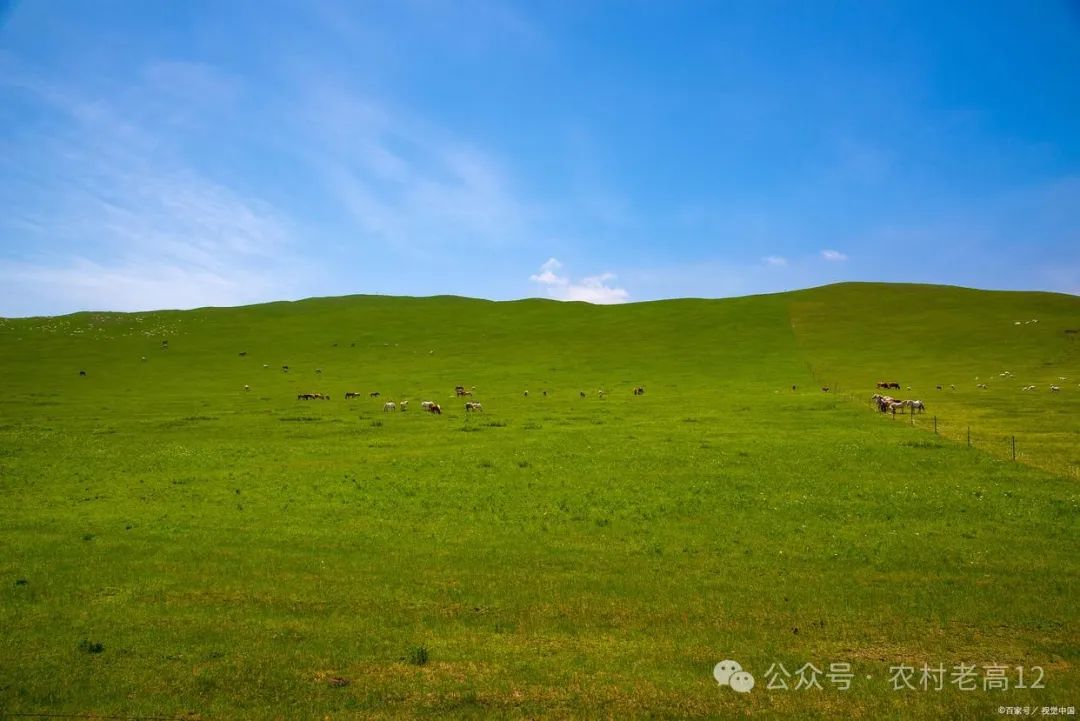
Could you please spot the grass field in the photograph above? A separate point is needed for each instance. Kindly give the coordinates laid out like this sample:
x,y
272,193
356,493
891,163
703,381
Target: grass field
x,y
172,545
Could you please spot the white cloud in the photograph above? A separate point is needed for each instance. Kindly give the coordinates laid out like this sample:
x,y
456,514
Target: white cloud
x,y
774,260
547,275
833,255
406,182
127,225
140,284
551,264
590,289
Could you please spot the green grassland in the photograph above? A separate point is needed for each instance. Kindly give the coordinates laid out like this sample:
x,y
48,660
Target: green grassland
x,y
173,545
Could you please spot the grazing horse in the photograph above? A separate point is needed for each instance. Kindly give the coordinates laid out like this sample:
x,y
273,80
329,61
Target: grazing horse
x,y
825,389
883,384
473,406
882,401
917,406
82,373
639,391
374,394
435,408
351,394
389,406
1055,389
894,384
403,406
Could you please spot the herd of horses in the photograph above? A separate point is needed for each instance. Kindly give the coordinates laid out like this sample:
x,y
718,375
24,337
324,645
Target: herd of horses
x,y
888,404
430,406
885,403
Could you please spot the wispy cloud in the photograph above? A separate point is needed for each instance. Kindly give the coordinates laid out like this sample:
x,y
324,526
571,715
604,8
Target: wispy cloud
x,y
834,256
590,289
127,285
547,274
775,260
408,183
126,225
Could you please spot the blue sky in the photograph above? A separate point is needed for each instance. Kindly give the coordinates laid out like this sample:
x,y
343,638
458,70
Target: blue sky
x,y
220,153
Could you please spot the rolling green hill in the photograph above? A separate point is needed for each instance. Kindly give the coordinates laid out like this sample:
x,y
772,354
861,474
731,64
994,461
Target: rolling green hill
x,y
172,544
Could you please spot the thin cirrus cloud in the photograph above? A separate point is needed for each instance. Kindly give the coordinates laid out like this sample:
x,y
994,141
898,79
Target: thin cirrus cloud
x,y
590,289
775,260
833,256
128,225
406,182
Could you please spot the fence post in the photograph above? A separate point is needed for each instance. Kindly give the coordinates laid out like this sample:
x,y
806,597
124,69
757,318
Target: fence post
x,y
1014,447
935,425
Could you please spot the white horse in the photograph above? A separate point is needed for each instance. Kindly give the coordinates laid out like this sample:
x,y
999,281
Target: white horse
x,y
389,406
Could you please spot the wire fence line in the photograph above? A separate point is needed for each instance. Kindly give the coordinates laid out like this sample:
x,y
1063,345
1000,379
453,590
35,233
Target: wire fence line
x,y
1010,446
